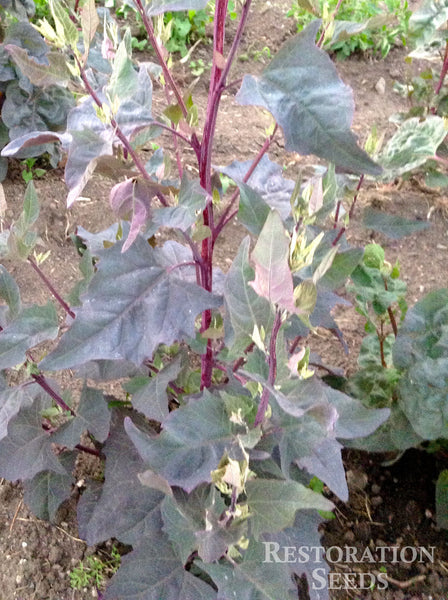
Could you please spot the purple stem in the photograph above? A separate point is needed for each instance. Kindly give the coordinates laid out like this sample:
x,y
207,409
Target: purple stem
x,y
443,72
324,31
272,369
350,212
49,285
123,139
166,72
88,450
40,380
225,217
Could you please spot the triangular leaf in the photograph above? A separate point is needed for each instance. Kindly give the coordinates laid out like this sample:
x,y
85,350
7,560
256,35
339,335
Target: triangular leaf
x,y
325,462
152,571
192,199
117,318
54,72
12,399
253,578
47,490
273,279
302,90
245,309
273,503
193,441
27,449
151,399
121,507
92,415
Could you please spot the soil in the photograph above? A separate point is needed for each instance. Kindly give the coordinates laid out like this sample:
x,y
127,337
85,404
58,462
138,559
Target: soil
x,y
389,505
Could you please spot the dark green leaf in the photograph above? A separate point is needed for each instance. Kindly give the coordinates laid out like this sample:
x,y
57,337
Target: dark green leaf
x,y
302,90
117,319
12,399
341,268
442,499
393,226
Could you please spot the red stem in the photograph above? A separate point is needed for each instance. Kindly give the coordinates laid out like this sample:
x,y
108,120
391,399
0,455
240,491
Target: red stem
x,y
225,217
49,285
40,380
350,212
443,72
324,31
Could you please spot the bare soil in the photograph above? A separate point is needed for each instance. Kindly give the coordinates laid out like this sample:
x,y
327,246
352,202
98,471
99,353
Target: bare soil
x,y
388,505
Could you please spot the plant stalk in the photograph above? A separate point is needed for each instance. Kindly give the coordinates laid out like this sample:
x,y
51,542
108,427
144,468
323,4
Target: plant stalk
x,y
154,43
264,401
50,286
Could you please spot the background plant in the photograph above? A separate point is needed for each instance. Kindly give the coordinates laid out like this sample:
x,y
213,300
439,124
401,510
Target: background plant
x,y
225,424
353,26
26,106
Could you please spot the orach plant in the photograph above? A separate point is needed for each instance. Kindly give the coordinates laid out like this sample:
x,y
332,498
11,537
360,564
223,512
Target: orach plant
x,y
226,423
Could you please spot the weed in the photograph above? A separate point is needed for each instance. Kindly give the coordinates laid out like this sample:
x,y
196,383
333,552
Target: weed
x,y
94,571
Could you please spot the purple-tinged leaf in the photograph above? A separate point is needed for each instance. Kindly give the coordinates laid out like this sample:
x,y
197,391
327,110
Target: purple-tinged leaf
x,y
121,507
34,138
92,415
302,90
97,242
152,571
27,449
304,534
193,441
151,399
135,301
253,578
266,182
12,399
32,326
158,7
85,149
47,490
133,197
273,278
55,72
89,24
191,203
252,209
325,462
186,515
245,309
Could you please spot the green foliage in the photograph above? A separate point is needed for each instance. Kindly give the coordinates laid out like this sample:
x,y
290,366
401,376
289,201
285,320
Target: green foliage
x,y
94,571
185,29
357,26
